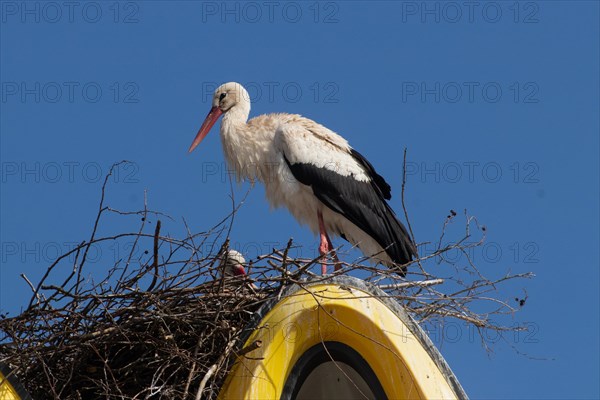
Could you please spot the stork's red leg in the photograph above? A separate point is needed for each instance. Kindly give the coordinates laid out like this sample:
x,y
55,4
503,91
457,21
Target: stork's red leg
x,y
326,246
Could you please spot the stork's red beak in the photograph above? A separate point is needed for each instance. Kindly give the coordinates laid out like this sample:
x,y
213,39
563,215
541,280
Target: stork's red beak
x,y
208,123
239,270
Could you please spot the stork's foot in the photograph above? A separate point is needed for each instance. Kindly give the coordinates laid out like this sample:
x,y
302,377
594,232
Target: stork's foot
x,y
326,249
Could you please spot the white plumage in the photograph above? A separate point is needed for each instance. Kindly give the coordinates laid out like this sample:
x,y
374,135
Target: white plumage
x,y
313,172
232,263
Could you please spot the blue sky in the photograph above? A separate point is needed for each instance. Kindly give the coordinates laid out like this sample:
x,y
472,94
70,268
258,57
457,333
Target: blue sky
x,y
497,103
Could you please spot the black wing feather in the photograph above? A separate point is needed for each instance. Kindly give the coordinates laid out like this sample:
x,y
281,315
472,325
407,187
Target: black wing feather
x,y
377,179
362,203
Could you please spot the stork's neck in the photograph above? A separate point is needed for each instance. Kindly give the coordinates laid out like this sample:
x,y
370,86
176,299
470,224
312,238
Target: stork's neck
x,y
237,115
247,146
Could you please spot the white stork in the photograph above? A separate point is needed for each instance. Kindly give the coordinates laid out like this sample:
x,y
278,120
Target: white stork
x,y
312,171
232,263
232,266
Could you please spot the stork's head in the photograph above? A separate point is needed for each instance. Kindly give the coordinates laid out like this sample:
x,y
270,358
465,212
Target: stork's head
x,y
230,97
232,263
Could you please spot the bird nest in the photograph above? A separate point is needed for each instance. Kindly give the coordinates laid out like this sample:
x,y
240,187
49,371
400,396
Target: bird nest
x,y
166,320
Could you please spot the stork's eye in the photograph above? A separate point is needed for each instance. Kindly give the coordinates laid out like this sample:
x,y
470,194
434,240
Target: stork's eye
x,y
222,96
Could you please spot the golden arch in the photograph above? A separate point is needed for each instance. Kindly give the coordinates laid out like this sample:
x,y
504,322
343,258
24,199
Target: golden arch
x,y
355,314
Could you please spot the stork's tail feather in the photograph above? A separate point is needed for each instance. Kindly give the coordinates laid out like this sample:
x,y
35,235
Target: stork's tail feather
x,y
403,250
